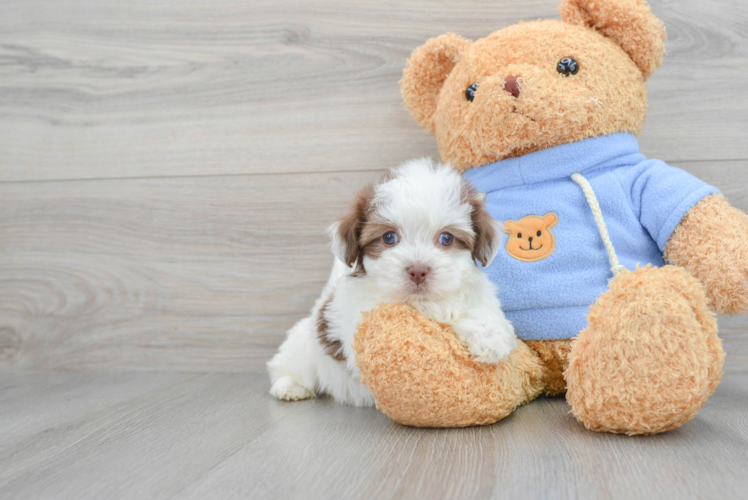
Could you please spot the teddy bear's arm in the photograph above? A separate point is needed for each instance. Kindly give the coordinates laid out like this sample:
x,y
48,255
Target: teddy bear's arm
x,y
422,375
711,242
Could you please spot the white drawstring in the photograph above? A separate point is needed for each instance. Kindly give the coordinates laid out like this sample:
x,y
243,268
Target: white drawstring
x,y
615,266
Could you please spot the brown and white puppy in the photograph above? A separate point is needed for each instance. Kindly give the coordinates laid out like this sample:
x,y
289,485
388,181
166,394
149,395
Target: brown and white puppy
x,y
414,238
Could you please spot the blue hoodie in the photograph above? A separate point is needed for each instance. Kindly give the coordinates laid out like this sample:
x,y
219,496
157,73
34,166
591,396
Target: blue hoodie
x,y
642,202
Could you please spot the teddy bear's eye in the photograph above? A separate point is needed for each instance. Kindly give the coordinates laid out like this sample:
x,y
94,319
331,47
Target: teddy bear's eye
x,y
519,235
567,66
470,92
538,233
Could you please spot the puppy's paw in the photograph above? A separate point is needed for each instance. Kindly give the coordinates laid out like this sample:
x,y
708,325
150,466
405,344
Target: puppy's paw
x,y
492,352
287,389
489,343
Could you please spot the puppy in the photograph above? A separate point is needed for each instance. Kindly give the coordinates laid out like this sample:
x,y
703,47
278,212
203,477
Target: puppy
x,y
415,238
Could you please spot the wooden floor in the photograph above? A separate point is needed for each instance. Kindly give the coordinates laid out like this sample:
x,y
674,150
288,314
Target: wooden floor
x,y
174,435
167,172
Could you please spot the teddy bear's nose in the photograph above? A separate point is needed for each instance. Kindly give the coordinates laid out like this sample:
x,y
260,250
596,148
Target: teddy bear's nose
x,y
510,85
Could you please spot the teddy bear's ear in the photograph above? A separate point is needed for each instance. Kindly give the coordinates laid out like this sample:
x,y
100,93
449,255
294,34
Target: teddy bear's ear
x,y
629,23
425,73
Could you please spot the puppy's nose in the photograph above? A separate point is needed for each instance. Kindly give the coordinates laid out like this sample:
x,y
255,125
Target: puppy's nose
x,y
529,239
510,85
418,273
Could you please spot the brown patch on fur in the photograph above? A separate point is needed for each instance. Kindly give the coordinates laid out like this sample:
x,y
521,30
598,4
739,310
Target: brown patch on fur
x,y
360,270
371,242
554,357
462,239
352,225
711,243
333,348
361,231
374,249
486,235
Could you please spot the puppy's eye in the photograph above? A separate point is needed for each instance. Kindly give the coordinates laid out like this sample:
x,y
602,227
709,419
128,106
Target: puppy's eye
x,y
519,235
446,239
538,233
390,238
567,66
470,92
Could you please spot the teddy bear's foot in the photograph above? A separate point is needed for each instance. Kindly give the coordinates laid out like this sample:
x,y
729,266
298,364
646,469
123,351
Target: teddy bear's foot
x,y
649,357
421,375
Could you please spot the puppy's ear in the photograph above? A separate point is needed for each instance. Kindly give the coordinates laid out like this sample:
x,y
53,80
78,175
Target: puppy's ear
x,y
346,233
425,73
487,239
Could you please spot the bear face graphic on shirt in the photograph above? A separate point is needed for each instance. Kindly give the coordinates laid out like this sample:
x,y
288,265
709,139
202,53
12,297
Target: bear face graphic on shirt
x,y
530,238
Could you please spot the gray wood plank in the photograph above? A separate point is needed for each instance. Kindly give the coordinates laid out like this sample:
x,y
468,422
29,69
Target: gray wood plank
x,y
113,435
92,89
538,452
188,274
141,446
49,407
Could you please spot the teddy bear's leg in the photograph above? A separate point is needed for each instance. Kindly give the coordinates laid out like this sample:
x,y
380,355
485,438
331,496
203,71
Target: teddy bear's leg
x,y
649,357
421,375
554,357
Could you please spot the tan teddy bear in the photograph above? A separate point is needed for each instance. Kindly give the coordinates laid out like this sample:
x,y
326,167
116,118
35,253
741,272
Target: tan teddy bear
x,y
542,117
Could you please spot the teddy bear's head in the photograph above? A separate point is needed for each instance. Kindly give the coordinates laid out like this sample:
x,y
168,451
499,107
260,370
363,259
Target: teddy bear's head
x,y
535,85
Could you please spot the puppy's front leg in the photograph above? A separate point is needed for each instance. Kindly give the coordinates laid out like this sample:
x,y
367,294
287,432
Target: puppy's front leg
x,y
487,334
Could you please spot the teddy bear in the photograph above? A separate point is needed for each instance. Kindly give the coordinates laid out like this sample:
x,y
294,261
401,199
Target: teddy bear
x,y
612,264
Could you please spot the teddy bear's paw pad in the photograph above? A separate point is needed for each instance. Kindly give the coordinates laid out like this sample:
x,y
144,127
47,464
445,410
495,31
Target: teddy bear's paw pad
x,y
649,357
286,388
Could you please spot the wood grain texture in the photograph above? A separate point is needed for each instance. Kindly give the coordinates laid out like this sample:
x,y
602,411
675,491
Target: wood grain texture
x,y
167,172
189,274
92,89
107,435
168,169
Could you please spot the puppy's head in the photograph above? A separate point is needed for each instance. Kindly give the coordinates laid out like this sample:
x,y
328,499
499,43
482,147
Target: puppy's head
x,y
417,233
